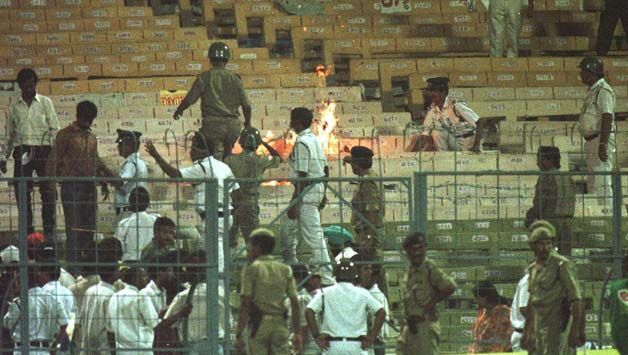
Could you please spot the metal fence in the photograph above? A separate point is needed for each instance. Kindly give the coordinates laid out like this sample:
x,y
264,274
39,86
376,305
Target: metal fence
x,y
474,221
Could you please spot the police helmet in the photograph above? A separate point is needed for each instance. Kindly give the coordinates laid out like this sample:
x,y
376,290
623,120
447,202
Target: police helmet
x,y
346,270
250,138
219,50
541,233
593,65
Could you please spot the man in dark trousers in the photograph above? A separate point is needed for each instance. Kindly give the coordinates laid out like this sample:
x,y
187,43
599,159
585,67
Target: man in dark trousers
x,y
614,10
31,128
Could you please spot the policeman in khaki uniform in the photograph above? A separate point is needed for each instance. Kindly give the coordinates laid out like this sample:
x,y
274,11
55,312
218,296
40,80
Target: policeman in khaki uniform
x,y
249,165
597,126
367,218
265,284
452,125
554,198
426,286
221,94
555,317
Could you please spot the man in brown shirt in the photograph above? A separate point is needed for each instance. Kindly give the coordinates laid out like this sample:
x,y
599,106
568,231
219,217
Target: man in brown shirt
x,y
221,94
75,154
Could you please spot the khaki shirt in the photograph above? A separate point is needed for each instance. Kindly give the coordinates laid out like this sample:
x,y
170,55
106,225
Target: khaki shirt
x,y
554,197
250,165
552,281
600,99
367,198
422,284
269,282
221,93
455,117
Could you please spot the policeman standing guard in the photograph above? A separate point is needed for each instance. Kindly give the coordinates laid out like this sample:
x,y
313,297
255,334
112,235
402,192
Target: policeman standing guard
x,y
597,126
555,317
426,286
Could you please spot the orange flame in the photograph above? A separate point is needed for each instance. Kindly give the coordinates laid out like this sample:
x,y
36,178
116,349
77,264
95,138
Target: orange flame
x,y
325,125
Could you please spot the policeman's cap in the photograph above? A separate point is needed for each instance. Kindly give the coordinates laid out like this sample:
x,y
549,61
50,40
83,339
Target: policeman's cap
x,y
128,136
358,153
543,223
438,83
250,138
592,64
541,233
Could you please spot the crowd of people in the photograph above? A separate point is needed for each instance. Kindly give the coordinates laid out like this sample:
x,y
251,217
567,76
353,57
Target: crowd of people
x,y
137,306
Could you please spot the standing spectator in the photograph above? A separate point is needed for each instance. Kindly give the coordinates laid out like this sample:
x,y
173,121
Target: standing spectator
x,y
452,125
47,318
518,312
308,160
504,23
163,239
265,284
491,329
221,94
618,294
133,167
370,273
75,154
426,286
554,198
555,316
249,165
367,215
188,310
205,167
135,231
614,10
597,126
90,330
311,287
31,127
344,308
131,316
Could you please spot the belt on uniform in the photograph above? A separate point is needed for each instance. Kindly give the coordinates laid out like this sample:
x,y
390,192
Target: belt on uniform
x,y
518,330
466,135
220,214
591,137
36,343
344,339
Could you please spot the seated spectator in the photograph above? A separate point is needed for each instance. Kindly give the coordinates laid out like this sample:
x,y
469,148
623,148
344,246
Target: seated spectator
x,y
341,242
163,239
131,316
48,319
492,329
136,230
90,329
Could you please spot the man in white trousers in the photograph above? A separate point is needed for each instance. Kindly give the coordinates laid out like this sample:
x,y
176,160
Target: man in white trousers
x,y
597,126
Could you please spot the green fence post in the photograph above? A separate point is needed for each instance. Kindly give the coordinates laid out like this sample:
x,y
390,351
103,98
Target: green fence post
x,y
617,206
211,267
420,203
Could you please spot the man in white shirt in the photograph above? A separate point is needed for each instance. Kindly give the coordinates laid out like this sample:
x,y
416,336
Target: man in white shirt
x,y
131,316
133,167
307,160
517,319
48,319
205,167
344,309
31,128
190,311
90,328
597,126
311,287
452,125
136,230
